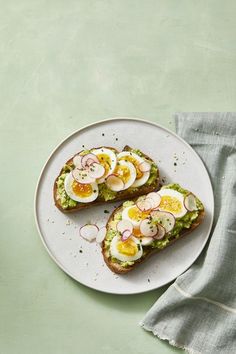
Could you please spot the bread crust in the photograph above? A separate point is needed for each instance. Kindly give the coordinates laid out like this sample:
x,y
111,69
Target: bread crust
x,y
117,268
123,195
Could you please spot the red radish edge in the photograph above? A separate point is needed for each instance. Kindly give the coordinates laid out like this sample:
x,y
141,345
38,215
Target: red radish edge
x,y
86,226
101,234
114,176
127,225
78,163
88,159
93,174
125,235
187,196
144,166
144,205
156,199
81,181
163,232
165,212
145,222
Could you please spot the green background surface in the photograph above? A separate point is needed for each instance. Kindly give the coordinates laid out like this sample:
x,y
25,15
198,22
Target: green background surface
x,y
64,64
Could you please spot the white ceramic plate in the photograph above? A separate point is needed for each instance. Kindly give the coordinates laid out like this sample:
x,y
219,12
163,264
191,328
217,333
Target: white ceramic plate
x,y
83,260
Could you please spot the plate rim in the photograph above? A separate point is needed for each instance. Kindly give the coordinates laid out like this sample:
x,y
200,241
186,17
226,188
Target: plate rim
x,y
157,125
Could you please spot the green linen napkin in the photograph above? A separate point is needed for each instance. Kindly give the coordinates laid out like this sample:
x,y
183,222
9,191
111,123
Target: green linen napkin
x,y
198,311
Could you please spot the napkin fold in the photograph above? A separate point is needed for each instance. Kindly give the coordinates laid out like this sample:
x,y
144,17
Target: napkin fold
x,y
198,311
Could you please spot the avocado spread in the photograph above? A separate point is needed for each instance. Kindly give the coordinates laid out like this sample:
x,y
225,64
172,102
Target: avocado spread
x,y
66,201
184,222
105,193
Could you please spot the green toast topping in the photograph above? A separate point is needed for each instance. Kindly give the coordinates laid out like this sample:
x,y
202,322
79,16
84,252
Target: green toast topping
x,y
181,224
105,193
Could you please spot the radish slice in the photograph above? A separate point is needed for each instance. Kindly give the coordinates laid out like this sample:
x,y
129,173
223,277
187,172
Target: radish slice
x,y
144,166
161,232
96,170
190,202
82,176
147,228
89,232
88,159
166,219
144,204
125,235
115,183
101,234
156,199
124,225
89,162
77,161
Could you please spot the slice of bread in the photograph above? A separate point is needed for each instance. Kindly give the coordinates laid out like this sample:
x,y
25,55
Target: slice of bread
x,y
116,267
122,195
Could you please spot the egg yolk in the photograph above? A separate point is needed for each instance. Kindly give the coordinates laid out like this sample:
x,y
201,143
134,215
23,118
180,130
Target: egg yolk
x,y
131,159
136,214
82,190
128,247
170,204
136,233
105,161
123,172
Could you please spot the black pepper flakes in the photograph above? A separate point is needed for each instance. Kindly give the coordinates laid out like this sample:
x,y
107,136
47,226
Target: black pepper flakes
x,y
175,164
148,280
80,251
106,211
116,139
103,134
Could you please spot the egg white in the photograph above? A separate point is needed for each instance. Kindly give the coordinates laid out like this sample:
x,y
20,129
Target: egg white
x,y
141,181
125,216
122,257
132,171
113,159
175,194
68,188
146,241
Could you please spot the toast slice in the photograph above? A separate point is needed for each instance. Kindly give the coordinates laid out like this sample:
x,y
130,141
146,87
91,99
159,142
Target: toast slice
x,y
120,195
194,217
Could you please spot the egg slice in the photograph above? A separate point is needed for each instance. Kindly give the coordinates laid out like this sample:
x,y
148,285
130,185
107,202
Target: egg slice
x,y
145,241
126,172
173,202
83,193
129,250
134,215
141,177
107,158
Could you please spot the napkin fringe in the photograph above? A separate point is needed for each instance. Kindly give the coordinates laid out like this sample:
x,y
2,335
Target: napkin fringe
x,y
172,342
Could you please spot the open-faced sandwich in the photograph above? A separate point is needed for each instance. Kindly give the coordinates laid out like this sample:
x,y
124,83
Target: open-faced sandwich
x,y
104,174
148,224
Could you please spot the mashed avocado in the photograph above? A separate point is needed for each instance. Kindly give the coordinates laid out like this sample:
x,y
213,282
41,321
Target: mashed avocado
x,y
105,193
66,201
181,223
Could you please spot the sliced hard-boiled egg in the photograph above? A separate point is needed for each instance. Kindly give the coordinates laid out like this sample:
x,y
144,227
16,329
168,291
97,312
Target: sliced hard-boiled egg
x,y
172,201
134,215
80,192
107,158
125,174
138,162
146,241
129,250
